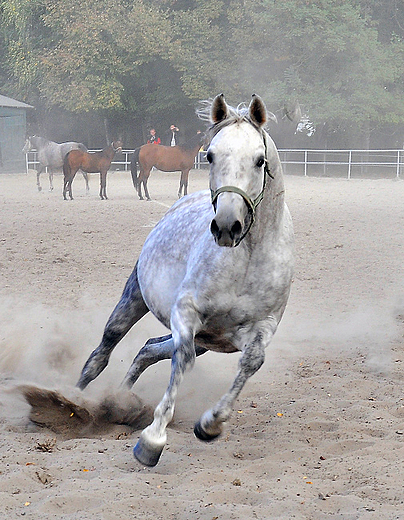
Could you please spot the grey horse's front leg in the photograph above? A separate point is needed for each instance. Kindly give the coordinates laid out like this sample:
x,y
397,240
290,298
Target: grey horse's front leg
x,y
38,182
211,423
130,308
153,438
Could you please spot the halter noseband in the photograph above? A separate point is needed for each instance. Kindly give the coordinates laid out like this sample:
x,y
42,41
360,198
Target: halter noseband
x,y
251,204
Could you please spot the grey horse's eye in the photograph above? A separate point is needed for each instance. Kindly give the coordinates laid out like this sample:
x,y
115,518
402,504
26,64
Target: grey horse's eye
x,y
209,157
260,162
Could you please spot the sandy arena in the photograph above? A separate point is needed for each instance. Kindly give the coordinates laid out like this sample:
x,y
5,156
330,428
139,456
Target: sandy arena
x,y
318,432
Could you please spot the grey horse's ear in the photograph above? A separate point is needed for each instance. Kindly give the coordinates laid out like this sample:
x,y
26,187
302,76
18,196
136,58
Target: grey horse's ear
x,y
257,111
219,110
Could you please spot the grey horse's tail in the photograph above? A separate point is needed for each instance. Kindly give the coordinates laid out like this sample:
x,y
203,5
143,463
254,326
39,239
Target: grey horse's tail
x,y
133,166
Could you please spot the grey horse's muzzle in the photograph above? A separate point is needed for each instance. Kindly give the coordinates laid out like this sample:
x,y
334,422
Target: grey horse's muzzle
x,y
229,232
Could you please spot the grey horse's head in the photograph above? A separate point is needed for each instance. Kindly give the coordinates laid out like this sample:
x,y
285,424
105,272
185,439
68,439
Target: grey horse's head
x,y
238,168
27,145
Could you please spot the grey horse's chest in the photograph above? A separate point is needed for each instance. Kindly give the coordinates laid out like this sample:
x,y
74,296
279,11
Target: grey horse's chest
x,y
229,289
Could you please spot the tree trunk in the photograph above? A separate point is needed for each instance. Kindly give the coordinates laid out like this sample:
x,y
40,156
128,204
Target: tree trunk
x,y
107,136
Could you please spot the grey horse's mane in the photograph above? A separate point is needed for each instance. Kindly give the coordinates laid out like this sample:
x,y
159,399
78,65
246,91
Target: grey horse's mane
x,y
236,115
41,140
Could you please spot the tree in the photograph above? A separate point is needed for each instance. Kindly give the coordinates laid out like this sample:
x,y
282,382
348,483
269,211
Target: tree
x,y
135,63
109,58
325,54
23,33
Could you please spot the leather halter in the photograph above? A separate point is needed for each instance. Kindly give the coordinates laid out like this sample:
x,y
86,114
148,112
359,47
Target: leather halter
x,y
251,204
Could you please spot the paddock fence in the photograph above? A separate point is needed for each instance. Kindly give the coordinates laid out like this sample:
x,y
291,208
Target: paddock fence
x,y
349,164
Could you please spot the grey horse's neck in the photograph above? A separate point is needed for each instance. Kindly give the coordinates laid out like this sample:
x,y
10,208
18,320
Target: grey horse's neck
x,y
39,141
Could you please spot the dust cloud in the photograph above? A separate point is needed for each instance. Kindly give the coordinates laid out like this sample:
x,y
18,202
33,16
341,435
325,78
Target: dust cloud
x,y
44,350
369,330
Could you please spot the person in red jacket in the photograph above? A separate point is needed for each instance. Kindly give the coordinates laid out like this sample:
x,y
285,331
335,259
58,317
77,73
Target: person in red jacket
x,y
153,138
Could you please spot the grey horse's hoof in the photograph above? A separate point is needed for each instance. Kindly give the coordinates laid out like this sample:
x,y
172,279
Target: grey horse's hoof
x,y
147,454
202,435
82,383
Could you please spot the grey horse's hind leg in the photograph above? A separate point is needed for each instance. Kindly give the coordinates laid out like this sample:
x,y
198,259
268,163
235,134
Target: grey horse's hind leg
x,y
130,308
154,350
50,174
38,173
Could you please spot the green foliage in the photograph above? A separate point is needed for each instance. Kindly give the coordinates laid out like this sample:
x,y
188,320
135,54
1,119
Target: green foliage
x,y
23,34
341,59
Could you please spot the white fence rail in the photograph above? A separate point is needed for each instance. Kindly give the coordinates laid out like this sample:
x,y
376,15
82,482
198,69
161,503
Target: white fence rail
x,y
315,163
121,160
344,163
337,163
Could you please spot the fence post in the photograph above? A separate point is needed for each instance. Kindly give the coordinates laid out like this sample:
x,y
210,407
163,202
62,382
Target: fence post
x,y
398,164
349,164
305,163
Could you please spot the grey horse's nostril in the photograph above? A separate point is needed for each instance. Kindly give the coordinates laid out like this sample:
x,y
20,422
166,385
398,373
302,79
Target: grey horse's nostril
x,y
236,229
214,228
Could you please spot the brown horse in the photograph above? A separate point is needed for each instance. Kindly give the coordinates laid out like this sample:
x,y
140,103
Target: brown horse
x,y
95,162
167,159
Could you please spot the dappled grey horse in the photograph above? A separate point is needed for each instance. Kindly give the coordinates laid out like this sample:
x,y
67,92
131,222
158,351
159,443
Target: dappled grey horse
x,y
216,271
51,155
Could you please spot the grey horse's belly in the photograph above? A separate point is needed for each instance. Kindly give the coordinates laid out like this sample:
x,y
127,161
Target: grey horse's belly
x,y
215,342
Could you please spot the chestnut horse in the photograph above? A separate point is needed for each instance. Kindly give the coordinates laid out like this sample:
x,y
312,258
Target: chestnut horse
x,y
89,162
167,159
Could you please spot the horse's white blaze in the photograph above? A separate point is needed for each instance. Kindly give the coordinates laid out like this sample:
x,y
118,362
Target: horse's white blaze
x,y
235,150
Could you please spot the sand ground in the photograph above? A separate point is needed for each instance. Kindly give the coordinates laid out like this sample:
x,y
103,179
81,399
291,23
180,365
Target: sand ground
x,y
318,432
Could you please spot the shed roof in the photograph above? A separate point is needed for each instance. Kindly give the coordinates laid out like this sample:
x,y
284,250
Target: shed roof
x,y
8,102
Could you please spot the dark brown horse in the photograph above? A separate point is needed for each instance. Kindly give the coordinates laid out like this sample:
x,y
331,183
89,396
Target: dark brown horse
x,y
95,162
167,159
